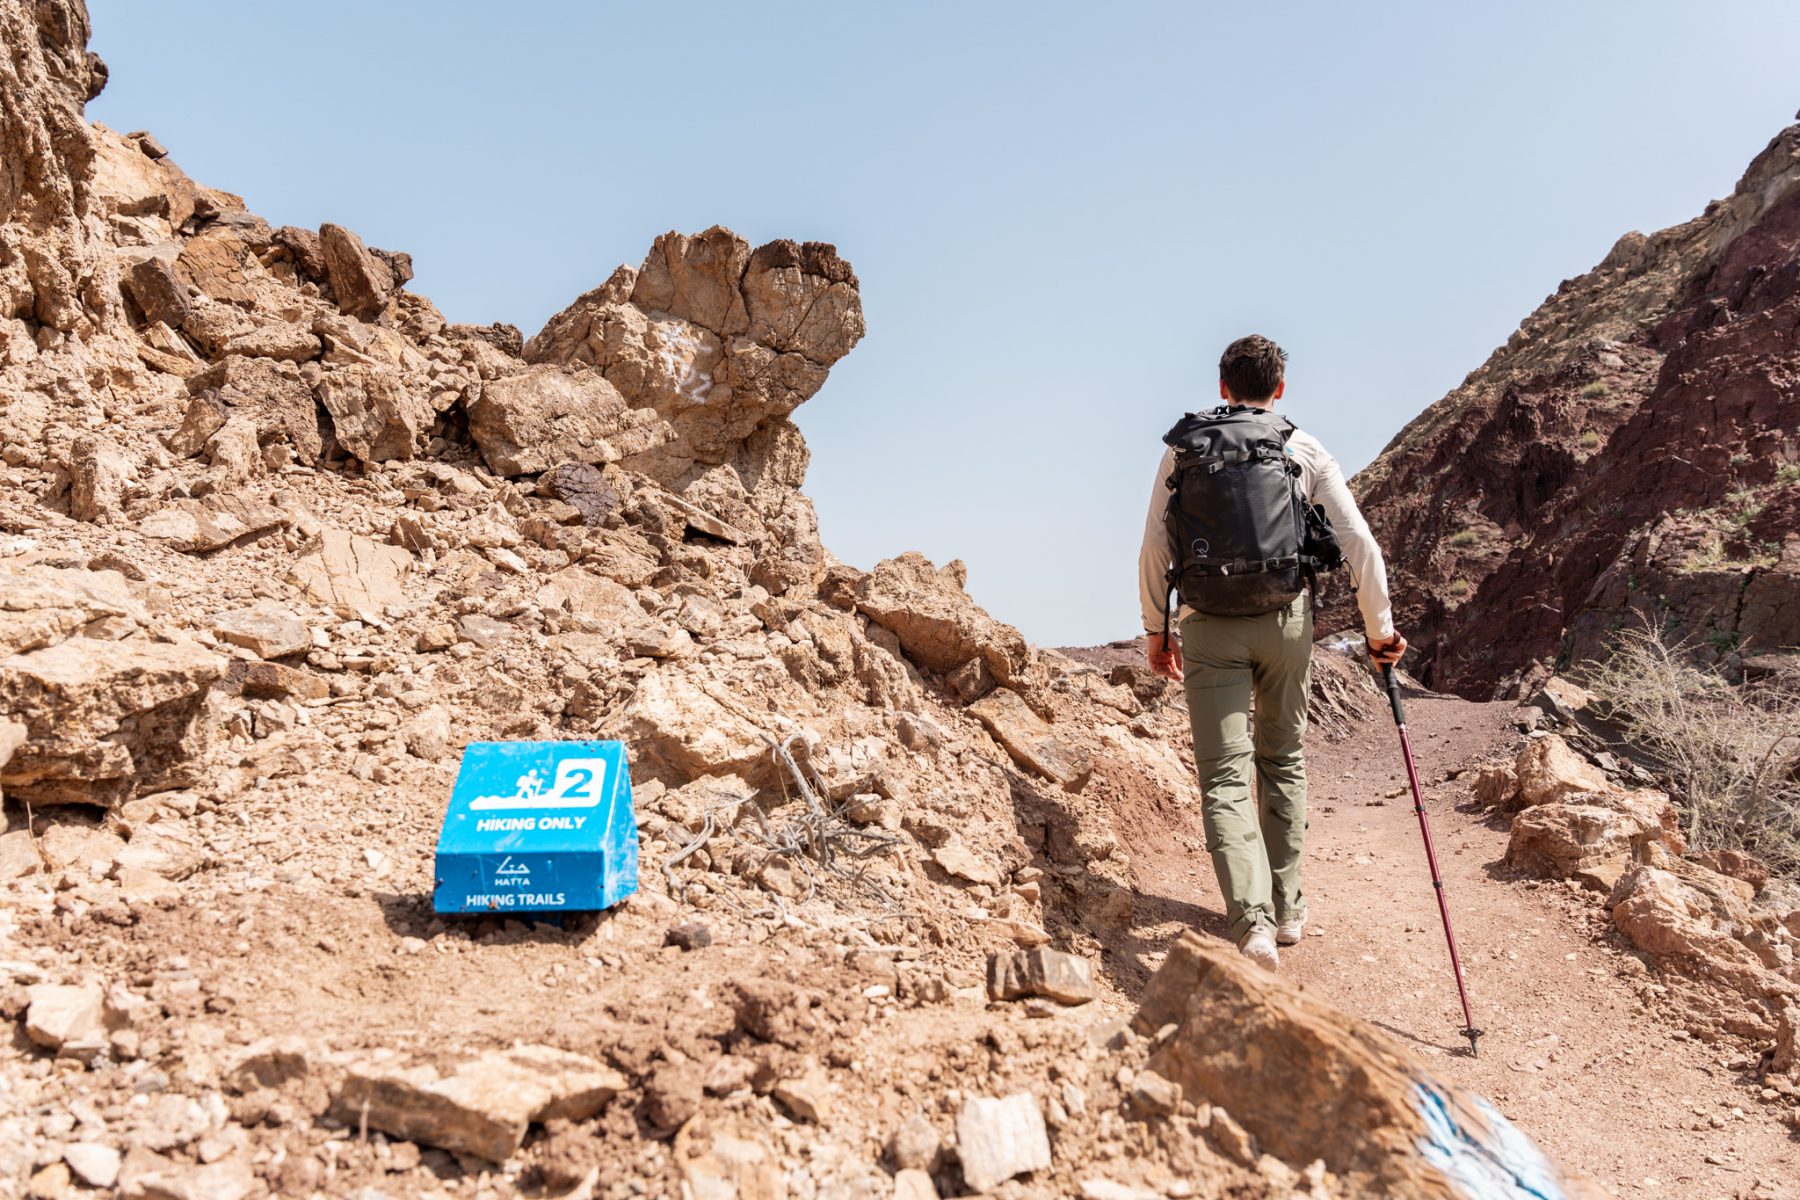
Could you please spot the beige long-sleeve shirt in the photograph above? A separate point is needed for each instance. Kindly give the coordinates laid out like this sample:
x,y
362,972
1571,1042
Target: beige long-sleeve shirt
x,y
1322,483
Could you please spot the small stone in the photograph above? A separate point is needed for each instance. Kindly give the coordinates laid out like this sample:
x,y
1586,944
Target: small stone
x,y
1031,741
94,1164
361,282
958,860
805,1097
915,1144
275,681
1107,1189
672,1095
653,639
353,574
98,473
264,632
732,1073
60,1013
1154,1096
147,1175
971,681
50,1183
689,936
438,635
1232,1138
484,1106
870,808
1040,972
913,1185
483,631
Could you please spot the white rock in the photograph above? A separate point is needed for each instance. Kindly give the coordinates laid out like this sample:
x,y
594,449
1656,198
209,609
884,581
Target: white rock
x,y
1000,1139
264,632
60,1013
94,1164
913,1184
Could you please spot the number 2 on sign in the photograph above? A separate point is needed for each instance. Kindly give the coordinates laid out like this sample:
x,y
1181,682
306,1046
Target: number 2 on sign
x,y
579,783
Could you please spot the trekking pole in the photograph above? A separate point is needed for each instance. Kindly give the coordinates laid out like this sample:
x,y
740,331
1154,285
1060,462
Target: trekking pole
x,y
1437,882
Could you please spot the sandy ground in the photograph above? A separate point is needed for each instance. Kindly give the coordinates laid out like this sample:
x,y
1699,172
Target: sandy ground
x,y
1571,1054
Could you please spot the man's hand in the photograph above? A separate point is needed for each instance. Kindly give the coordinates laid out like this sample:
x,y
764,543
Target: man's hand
x,y
1388,652
1165,655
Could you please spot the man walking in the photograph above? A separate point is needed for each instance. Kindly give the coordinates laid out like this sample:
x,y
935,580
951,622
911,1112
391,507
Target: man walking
x,y
1246,626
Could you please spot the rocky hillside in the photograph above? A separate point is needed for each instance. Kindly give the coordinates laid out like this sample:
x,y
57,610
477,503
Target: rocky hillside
x,y
277,539
1629,455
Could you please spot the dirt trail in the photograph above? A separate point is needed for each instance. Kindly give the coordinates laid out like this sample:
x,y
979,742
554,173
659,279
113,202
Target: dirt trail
x,y
1571,1054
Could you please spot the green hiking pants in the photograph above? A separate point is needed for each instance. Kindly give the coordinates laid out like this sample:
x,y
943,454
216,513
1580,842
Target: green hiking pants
x,y
1255,840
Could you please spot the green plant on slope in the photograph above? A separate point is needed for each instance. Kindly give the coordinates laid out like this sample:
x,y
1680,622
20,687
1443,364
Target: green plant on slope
x,y
1734,750
1594,390
1464,537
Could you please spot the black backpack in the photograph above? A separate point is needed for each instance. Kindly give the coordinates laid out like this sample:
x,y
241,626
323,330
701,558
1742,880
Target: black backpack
x,y
1243,540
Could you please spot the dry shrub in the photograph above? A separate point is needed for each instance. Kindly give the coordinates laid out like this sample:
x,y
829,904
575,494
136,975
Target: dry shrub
x,y
1734,749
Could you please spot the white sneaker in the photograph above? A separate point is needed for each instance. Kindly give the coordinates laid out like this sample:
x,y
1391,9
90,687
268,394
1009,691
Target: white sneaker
x,y
1289,932
1259,948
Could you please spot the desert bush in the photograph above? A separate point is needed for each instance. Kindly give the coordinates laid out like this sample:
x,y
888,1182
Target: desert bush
x,y
1590,439
1733,749
1460,587
1464,537
1594,389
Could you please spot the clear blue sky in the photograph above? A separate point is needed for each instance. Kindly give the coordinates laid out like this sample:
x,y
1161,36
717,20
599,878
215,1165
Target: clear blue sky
x,y
1059,212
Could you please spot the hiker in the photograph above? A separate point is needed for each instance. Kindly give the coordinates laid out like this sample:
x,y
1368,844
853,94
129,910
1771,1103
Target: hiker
x,y
1233,498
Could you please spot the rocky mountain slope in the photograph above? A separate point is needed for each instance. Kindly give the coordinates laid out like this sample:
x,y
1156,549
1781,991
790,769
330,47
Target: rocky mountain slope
x,y
1629,455
277,540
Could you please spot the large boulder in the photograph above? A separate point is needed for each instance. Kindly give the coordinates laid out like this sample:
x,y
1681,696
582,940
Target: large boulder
x,y
1550,772
362,283
375,416
1588,831
677,725
105,719
40,606
716,338
353,574
244,406
938,625
1704,923
1032,742
528,423
1309,1082
483,1106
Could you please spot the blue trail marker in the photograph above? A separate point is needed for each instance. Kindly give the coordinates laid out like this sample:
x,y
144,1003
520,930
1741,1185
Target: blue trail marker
x,y
538,827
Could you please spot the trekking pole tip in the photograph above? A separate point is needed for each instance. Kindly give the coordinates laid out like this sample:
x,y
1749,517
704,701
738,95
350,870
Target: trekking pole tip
x,y
1472,1034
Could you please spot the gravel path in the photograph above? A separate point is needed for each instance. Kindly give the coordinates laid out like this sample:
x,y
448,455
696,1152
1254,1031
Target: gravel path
x,y
1571,1052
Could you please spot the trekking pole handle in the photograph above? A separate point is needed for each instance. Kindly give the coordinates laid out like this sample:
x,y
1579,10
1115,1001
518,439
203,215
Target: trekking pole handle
x,y
1393,691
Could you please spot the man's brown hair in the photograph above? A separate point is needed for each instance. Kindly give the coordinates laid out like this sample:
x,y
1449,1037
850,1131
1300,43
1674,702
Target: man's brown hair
x,y
1252,367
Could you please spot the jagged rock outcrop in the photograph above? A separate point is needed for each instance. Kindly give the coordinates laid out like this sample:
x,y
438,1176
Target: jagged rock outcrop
x,y
107,711
1725,962
711,345
940,627
48,269
1629,454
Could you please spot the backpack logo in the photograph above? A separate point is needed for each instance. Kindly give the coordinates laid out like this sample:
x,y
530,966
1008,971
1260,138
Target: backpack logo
x,y
1202,547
